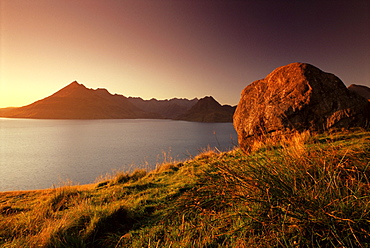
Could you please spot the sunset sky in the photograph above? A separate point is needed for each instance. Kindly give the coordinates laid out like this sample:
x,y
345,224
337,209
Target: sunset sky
x,y
174,48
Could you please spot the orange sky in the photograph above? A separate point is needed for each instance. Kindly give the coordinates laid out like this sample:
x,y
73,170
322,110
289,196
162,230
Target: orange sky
x,y
183,48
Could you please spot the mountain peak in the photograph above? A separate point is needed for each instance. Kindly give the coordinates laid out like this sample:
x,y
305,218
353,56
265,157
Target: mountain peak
x,y
207,109
361,90
74,84
75,101
71,88
208,102
208,99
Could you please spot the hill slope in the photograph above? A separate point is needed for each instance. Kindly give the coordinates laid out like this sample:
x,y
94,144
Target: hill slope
x,y
308,191
208,109
362,90
168,109
75,101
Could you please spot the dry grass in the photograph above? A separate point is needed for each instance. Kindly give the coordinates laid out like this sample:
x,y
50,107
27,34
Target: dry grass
x,y
300,191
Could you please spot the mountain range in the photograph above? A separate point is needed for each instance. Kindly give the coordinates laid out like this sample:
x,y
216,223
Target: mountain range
x,y
75,101
361,90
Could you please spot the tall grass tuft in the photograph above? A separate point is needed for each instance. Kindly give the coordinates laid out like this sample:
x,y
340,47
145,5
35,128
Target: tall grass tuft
x,y
297,196
304,190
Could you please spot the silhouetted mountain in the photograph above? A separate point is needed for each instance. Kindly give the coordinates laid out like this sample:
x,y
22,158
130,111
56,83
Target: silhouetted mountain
x,y
75,101
167,109
208,109
361,90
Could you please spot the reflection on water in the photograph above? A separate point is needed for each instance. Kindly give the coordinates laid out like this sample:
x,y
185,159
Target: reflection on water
x,y
38,154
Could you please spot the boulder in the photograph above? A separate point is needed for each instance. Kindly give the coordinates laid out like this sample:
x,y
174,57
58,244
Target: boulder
x,y
296,97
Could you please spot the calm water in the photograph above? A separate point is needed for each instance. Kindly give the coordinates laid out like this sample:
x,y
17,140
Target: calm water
x,y
37,154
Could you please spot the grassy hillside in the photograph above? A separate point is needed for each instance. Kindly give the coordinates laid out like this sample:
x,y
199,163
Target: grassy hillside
x,y
306,191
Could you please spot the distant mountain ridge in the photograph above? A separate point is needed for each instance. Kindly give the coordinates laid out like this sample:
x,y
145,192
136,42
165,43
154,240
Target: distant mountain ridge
x,y
167,109
75,101
208,109
361,90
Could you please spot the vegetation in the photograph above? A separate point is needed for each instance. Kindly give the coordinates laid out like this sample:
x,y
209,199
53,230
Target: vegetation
x,y
305,191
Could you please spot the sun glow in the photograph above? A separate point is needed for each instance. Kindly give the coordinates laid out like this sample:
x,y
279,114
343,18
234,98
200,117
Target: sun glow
x,y
166,49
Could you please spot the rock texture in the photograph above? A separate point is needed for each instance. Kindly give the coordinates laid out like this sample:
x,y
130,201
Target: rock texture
x,y
296,97
361,90
208,109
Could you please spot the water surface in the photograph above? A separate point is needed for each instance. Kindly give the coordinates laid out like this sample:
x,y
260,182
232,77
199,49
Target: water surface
x,y
37,154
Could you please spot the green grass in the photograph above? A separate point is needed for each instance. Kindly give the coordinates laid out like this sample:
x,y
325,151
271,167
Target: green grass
x,y
305,191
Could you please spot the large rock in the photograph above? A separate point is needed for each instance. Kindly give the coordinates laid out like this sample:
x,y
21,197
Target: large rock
x,y
296,97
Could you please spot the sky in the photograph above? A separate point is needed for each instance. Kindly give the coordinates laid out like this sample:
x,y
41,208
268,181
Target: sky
x,y
174,48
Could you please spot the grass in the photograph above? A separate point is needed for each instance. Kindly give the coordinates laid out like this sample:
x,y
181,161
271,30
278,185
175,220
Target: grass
x,y
303,191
